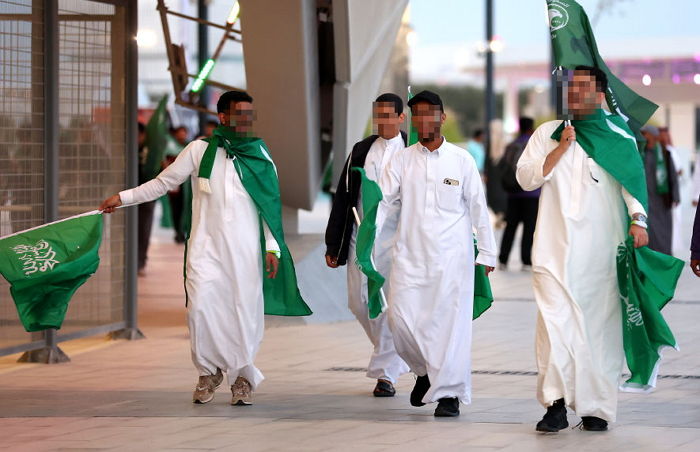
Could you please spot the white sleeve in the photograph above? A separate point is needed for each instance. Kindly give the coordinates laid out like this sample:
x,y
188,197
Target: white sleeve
x,y
271,245
633,206
473,193
530,172
170,178
390,184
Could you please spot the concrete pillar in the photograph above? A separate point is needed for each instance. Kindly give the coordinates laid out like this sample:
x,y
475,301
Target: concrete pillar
x,y
681,123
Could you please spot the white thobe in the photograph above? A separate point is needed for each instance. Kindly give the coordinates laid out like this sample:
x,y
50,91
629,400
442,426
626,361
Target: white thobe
x,y
224,266
439,201
385,363
580,223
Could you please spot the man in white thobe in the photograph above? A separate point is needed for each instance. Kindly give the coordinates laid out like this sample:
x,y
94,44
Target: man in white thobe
x,y
224,268
373,153
434,190
581,221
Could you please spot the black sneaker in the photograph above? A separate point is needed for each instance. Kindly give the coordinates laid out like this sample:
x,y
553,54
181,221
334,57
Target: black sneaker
x,y
554,419
384,389
447,407
594,424
420,390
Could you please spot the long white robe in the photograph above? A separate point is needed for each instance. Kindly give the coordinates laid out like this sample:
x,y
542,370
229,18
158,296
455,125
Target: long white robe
x,y
580,223
385,363
224,266
439,200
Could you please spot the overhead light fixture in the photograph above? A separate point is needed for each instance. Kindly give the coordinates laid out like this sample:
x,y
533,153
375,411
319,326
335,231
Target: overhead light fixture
x,y
203,75
235,12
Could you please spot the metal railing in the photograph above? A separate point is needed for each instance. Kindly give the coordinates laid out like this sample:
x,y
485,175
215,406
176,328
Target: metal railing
x,y
67,101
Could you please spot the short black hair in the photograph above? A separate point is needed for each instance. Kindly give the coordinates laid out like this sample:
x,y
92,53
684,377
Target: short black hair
x,y
427,96
394,99
600,76
224,103
526,124
477,133
142,127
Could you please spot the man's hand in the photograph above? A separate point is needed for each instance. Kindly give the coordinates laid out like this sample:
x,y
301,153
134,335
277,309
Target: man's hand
x,y
641,238
568,135
110,204
488,269
271,265
332,261
695,266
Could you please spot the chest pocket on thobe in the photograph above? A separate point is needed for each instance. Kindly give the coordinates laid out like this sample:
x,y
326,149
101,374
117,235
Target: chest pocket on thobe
x,y
595,173
449,195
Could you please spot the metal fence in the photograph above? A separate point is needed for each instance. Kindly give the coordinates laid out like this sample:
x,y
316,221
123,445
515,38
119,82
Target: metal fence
x,y
67,100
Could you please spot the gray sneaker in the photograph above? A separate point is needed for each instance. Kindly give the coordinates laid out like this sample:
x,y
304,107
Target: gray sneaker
x,y
242,392
206,386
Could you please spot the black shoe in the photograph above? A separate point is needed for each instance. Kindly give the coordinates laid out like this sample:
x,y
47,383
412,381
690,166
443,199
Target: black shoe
x,y
384,389
554,419
420,390
594,424
447,407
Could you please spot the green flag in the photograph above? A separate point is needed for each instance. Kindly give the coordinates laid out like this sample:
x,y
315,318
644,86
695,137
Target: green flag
x,y
47,264
412,133
647,281
573,44
259,177
366,232
609,142
483,298
156,141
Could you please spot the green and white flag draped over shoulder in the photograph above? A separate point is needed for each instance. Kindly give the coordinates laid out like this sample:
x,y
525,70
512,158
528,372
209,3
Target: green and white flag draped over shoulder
x,y
366,234
573,44
646,279
47,264
259,177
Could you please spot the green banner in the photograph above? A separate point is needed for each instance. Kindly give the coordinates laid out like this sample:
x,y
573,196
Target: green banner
x,y
47,264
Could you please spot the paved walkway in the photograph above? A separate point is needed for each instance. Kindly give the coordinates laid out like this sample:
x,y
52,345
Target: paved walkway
x,y
136,395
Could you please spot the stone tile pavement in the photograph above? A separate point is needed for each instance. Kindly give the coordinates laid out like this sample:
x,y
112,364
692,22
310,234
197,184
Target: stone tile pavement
x,y
136,395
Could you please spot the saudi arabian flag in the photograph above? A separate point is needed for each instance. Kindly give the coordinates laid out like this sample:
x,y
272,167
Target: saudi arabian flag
x,y
47,264
647,281
157,141
366,233
574,45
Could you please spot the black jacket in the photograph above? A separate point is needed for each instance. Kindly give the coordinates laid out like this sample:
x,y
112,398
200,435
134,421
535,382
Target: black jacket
x,y
341,221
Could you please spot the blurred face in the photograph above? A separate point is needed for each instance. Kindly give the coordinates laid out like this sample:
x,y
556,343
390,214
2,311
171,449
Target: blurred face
x,y
427,119
664,138
585,96
240,117
181,135
651,139
386,120
209,130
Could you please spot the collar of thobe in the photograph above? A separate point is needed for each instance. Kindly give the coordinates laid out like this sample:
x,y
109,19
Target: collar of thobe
x,y
236,147
393,142
436,151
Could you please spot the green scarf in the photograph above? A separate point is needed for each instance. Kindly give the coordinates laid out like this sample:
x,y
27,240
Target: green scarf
x,y
607,139
662,187
259,177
